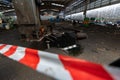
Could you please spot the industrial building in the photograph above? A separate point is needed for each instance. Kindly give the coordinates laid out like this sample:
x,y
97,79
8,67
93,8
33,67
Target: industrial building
x,y
82,29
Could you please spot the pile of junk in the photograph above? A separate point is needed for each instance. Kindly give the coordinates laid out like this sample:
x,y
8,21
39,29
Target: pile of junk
x,y
59,38
6,23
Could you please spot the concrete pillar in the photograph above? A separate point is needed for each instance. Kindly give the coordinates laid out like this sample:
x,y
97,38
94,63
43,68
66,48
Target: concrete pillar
x,y
27,16
85,9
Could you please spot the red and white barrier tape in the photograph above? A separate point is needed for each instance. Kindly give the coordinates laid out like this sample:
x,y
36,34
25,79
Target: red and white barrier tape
x,y
58,66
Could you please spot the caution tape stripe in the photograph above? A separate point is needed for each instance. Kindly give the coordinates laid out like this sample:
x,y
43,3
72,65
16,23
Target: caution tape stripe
x,y
4,48
11,51
51,65
114,71
18,54
84,68
30,58
58,66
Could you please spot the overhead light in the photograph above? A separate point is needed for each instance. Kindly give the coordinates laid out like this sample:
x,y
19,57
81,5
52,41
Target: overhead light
x,y
42,3
43,10
8,10
54,9
57,4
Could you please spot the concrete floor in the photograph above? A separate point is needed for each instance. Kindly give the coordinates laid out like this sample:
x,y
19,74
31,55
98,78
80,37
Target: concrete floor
x,y
102,46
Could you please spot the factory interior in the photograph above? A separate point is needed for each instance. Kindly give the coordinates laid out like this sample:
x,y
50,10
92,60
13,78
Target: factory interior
x,y
83,29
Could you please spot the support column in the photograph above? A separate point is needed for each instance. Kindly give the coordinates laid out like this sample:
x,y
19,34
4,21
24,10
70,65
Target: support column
x,y
85,10
27,16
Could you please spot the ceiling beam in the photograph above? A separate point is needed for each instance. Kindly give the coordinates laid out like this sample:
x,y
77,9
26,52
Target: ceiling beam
x,y
51,7
61,2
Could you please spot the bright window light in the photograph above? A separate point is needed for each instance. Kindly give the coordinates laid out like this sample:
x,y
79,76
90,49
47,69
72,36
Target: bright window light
x,y
110,13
